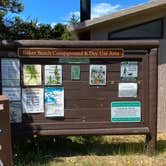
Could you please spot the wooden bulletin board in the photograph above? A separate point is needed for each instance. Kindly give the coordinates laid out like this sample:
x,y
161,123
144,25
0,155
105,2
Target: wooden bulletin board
x,y
102,87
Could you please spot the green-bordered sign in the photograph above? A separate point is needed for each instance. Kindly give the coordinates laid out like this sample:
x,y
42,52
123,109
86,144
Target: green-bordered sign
x,y
126,111
75,72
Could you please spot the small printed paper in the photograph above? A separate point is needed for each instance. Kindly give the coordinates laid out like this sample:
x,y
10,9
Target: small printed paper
x,y
53,74
13,94
10,69
33,100
32,74
127,90
1,163
15,112
129,111
97,75
54,102
75,72
1,107
129,71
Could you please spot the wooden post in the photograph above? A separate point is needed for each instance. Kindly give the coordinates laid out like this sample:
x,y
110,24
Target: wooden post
x,y
5,134
151,138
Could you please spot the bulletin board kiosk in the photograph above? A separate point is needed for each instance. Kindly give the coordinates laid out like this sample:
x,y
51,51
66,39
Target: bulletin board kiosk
x,y
81,87
5,133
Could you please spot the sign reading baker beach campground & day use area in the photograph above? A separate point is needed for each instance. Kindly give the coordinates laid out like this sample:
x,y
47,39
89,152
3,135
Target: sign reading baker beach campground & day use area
x,y
70,53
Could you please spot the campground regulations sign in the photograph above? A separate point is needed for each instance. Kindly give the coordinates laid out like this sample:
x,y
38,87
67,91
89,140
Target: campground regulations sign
x,y
126,111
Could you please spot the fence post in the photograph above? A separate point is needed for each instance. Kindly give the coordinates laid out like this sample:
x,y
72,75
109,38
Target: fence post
x,y
5,133
151,138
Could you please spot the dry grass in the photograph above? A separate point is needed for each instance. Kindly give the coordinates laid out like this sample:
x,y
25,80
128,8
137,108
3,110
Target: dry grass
x,y
91,151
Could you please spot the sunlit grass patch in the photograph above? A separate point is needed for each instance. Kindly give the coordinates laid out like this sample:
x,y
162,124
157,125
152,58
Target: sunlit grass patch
x,y
87,151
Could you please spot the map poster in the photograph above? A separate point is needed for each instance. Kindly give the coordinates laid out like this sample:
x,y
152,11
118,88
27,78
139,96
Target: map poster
x,y
32,74
97,75
10,69
15,112
54,102
127,90
13,94
129,71
129,111
53,74
33,100
75,72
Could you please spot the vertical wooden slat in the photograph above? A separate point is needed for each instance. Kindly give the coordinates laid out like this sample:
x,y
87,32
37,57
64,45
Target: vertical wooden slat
x,y
153,77
5,135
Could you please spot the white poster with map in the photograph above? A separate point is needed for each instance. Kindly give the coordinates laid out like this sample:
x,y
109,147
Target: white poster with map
x,y
53,74
33,100
32,74
97,75
10,69
54,102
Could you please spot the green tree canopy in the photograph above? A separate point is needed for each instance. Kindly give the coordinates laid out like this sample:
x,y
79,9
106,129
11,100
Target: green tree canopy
x,y
10,6
14,28
20,29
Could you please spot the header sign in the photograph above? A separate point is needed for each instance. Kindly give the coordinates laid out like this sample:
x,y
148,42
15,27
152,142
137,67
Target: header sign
x,y
69,53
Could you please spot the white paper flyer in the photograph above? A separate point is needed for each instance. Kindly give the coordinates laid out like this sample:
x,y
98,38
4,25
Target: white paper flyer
x,y
54,102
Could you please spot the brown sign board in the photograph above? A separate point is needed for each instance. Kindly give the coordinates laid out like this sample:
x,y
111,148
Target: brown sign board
x,y
69,53
109,83
5,135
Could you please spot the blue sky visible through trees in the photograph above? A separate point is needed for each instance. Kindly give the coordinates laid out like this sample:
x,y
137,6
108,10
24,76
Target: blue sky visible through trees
x,y
59,11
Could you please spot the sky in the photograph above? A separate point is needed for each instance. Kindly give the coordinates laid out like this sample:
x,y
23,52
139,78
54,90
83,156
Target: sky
x,y
60,11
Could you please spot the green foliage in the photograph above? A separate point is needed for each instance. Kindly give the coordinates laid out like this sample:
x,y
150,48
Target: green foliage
x,y
17,29
74,20
13,6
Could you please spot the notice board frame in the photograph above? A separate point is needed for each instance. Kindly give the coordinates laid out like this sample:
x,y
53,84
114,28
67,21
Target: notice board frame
x,y
145,47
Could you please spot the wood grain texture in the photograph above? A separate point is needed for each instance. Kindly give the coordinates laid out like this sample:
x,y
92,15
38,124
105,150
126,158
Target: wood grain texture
x,y
152,116
5,135
87,108
126,44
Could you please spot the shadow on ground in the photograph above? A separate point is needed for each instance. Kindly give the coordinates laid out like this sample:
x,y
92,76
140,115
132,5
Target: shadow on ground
x,y
40,150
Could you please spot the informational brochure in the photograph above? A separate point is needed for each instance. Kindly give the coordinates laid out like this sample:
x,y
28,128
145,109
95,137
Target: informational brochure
x,y
129,71
13,94
75,72
97,75
33,100
127,90
32,74
54,102
53,74
129,111
15,112
10,69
